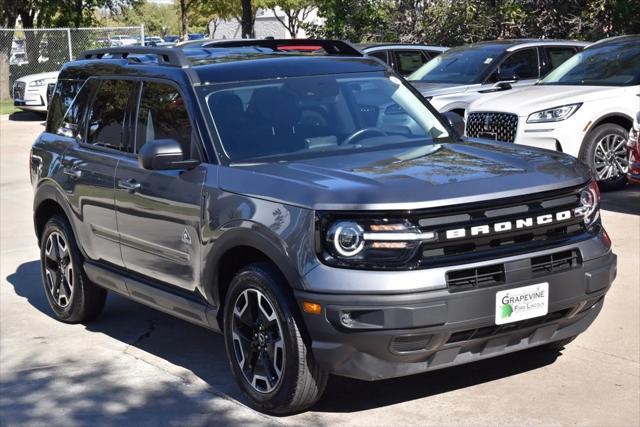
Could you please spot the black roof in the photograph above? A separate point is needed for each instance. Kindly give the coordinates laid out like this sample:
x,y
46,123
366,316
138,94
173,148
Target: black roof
x,y
225,62
619,41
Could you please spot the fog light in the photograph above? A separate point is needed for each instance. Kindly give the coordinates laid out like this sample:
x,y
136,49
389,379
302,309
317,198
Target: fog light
x,y
345,318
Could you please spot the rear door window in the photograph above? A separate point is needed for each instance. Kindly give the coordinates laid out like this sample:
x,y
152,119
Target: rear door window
x,y
557,55
522,64
63,96
409,61
107,114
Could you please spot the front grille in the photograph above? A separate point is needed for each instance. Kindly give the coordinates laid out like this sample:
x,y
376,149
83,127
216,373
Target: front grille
x,y
498,126
488,331
18,90
492,244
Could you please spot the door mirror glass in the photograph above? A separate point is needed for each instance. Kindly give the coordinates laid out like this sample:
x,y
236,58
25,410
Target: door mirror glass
x,y
164,154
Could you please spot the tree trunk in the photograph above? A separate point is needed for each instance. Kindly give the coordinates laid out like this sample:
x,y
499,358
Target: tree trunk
x,y
184,20
6,38
8,17
247,20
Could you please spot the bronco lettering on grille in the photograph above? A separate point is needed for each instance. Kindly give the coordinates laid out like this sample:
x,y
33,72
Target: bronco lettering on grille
x,y
503,226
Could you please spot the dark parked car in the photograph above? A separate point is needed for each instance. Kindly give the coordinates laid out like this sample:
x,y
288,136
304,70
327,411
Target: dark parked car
x,y
314,210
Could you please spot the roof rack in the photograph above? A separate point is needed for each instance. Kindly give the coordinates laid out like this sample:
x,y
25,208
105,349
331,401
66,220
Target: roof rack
x,y
166,56
332,47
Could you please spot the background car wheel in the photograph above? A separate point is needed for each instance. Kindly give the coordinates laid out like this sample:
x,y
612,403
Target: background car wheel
x,y
72,297
268,356
605,151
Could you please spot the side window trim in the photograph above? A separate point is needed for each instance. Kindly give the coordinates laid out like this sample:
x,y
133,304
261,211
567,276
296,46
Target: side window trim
x,y
136,110
125,124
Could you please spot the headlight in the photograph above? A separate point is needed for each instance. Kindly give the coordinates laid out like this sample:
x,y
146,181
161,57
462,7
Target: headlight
x,y
379,244
589,204
37,83
555,114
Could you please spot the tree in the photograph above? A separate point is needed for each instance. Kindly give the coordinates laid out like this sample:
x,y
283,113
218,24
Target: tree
x,y
355,20
295,11
248,20
8,17
157,18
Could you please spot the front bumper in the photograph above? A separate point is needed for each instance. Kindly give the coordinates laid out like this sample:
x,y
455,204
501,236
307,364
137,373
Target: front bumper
x,y
395,335
566,135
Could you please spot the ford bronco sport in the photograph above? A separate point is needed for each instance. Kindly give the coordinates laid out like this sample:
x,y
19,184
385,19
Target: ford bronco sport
x,y
313,208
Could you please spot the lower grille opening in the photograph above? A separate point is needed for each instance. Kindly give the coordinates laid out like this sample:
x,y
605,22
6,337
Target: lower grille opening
x,y
476,277
410,343
488,331
553,263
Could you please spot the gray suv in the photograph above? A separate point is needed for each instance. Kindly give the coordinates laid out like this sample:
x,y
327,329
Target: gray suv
x,y
314,209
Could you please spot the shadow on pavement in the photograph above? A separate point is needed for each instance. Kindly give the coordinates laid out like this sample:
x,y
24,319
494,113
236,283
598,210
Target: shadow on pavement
x,y
27,116
625,201
202,352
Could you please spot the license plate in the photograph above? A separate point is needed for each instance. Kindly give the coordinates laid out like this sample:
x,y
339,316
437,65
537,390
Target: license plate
x,y
488,135
522,303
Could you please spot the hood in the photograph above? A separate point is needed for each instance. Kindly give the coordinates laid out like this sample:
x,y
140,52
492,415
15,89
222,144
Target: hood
x,y
399,179
526,100
437,89
52,75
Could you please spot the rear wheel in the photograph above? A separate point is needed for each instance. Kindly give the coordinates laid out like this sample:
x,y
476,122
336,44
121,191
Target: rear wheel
x,y
269,358
71,296
605,151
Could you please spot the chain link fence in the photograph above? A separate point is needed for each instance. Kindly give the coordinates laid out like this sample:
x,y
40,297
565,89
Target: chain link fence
x,y
39,50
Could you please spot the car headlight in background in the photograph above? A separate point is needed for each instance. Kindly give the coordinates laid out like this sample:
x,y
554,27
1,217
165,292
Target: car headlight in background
x,y
555,114
38,83
370,243
589,204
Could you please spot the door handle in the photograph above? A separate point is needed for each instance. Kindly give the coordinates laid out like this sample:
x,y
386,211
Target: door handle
x,y
129,184
72,172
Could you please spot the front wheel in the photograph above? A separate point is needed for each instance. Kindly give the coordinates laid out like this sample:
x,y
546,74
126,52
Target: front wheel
x,y
605,151
269,358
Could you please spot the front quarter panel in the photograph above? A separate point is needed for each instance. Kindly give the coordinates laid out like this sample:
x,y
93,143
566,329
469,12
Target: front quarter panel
x,y
284,233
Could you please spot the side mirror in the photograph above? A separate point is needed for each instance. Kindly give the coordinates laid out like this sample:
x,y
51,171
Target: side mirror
x,y
164,154
456,121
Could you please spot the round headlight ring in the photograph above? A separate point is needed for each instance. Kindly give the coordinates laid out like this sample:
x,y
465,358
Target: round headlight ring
x,y
589,203
347,238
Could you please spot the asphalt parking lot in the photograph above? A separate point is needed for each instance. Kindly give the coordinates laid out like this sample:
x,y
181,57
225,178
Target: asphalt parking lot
x,y
138,366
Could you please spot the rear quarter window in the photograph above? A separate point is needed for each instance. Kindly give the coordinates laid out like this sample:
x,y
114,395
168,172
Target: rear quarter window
x,y
63,96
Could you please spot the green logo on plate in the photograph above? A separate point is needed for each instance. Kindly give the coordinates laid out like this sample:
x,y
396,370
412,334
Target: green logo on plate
x,y
506,310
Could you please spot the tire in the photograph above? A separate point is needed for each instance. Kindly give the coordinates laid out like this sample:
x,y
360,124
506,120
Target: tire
x,y
559,345
276,347
71,295
605,151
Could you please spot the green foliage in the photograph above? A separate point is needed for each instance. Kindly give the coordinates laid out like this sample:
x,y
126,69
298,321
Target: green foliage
x,y
352,19
158,19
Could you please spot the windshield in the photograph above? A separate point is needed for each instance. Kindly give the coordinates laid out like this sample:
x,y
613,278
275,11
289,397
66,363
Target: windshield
x,y
459,66
604,65
320,115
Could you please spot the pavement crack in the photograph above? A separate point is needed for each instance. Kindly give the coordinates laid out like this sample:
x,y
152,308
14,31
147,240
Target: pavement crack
x,y
606,354
150,329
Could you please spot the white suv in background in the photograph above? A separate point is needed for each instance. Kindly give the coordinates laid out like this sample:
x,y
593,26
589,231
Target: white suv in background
x,y
584,108
459,76
30,92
